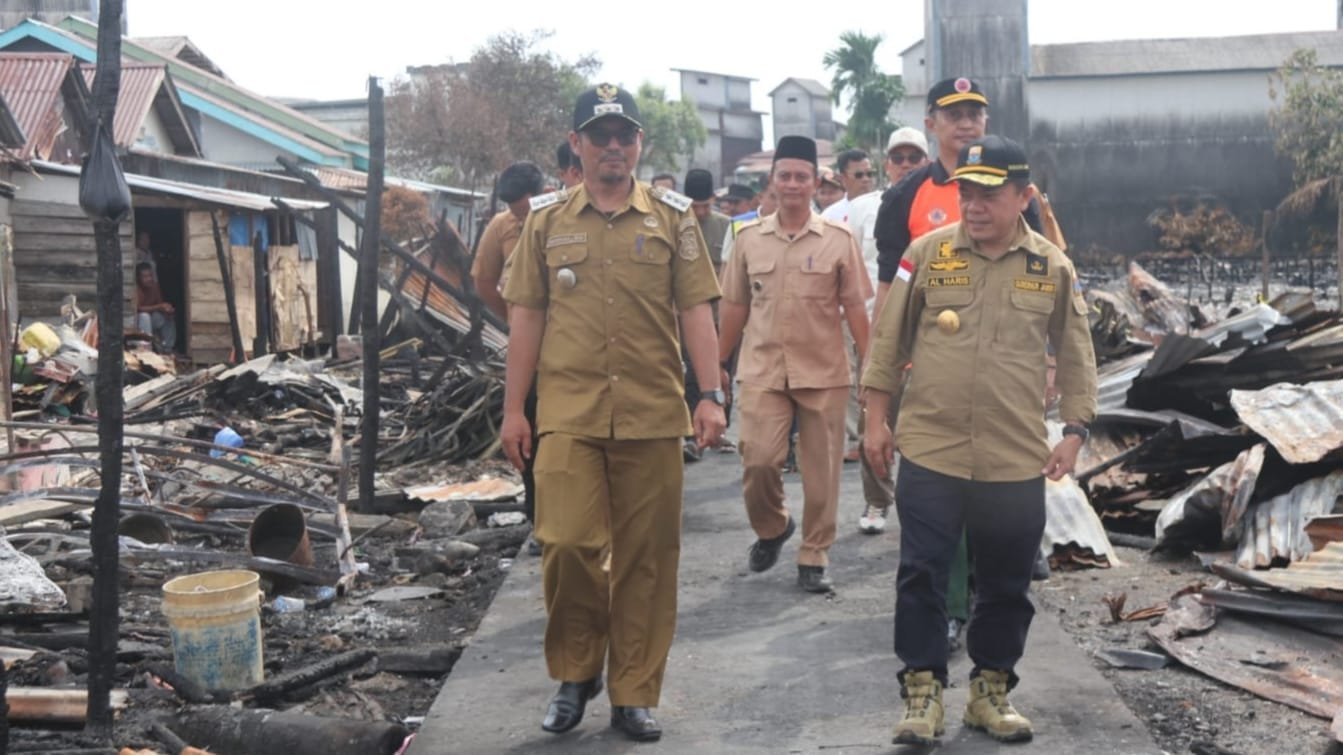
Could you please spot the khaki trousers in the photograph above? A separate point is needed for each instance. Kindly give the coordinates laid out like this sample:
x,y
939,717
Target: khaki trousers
x,y
766,416
593,494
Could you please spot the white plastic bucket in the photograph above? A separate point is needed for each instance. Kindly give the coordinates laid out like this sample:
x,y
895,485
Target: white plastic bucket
x,y
215,621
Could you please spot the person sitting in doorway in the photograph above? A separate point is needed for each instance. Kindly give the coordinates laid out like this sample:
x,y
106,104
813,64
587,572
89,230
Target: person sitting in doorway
x,y
153,314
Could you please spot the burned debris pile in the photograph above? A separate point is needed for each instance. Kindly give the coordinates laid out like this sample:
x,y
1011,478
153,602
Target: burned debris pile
x,y
1221,437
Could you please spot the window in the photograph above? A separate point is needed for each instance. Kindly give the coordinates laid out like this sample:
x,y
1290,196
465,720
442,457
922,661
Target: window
x,y
792,100
703,81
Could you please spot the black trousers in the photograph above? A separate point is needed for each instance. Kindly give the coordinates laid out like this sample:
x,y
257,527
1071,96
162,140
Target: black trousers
x,y
1004,522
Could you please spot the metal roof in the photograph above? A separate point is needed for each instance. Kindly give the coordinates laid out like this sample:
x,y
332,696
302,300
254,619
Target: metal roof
x,y
31,83
183,49
1254,52
1303,422
810,86
146,86
1276,528
208,194
357,180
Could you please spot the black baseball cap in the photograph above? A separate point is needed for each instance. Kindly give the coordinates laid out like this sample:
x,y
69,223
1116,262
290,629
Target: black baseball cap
x,y
992,161
602,101
950,91
699,184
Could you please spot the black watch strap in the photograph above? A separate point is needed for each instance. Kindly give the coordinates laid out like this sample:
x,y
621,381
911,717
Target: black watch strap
x,y
1081,431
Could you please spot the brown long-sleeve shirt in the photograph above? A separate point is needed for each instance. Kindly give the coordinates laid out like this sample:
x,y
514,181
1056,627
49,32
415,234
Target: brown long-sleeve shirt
x,y
973,405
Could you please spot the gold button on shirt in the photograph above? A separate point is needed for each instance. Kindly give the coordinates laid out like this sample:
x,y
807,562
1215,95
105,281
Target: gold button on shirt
x,y
795,289
610,364
973,406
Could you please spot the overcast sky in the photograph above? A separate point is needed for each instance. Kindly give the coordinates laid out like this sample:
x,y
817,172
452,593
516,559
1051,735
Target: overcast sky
x,y
311,49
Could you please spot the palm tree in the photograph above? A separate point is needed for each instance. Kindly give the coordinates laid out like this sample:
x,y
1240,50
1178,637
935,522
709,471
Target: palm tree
x,y
871,93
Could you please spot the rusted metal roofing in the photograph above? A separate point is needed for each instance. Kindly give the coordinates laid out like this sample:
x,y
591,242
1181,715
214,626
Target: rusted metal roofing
x,y
145,87
208,194
1293,666
1276,528
1222,496
31,84
1303,422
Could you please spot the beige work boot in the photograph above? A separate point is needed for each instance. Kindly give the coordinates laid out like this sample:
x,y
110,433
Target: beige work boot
x,y
923,719
990,712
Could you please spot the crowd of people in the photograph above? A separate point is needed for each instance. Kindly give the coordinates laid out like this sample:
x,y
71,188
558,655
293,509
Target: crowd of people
x,y
923,319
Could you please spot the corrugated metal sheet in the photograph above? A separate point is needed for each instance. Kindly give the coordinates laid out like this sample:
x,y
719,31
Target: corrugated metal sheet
x,y
1276,527
1073,532
1223,495
209,194
30,83
139,86
357,180
1303,422
1276,661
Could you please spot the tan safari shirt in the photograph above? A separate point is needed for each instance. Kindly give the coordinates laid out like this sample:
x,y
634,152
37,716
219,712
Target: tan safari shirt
x,y
610,363
496,243
795,291
973,406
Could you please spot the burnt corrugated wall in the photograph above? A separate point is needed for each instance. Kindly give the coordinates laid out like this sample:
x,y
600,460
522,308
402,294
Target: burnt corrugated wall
x,y
1106,177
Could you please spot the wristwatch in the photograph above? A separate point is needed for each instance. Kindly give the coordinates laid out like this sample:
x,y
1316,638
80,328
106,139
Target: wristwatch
x,y
1081,431
717,396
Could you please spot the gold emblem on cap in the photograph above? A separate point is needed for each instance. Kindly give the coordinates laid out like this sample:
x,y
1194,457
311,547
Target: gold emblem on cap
x,y
975,154
607,92
948,322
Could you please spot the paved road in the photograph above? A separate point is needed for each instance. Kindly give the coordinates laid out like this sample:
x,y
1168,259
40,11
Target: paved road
x,y
760,667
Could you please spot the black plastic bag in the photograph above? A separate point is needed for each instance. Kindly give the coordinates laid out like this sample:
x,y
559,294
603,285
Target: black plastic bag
x,y
103,192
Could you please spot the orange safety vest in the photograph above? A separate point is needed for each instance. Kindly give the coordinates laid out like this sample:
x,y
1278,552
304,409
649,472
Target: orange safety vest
x,y
934,206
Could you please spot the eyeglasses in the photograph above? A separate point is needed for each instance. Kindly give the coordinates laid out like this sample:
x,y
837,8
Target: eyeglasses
x,y
861,174
601,137
900,158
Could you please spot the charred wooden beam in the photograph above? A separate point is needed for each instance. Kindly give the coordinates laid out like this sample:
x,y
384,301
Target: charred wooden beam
x,y
230,303
368,304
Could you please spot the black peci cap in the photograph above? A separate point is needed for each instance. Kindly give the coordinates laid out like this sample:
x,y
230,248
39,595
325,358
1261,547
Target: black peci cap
x,y
699,184
992,161
796,148
950,91
602,101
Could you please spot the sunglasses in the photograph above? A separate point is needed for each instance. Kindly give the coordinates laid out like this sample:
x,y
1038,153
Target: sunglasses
x,y
601,137
900,158
861,174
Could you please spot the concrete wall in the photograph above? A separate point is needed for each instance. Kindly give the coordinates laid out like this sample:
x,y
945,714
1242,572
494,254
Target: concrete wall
x,y
987,41
228,145
1191,95
793,112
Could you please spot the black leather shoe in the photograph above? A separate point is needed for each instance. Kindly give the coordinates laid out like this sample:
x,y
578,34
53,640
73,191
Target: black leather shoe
x,y
813,579
567,706
765,553
637,723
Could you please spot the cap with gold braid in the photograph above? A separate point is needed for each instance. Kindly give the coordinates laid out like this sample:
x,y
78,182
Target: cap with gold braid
x,y
992,161
948,92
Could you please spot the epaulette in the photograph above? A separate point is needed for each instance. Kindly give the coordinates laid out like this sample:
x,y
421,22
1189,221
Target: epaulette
x,y
831,222
680,201
542,201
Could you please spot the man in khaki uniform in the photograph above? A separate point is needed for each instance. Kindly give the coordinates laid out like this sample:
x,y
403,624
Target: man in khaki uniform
x,y
972,306
791,279
597,281
518,183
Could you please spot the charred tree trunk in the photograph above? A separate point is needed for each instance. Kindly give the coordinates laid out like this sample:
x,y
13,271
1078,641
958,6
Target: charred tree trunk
x,y
103,625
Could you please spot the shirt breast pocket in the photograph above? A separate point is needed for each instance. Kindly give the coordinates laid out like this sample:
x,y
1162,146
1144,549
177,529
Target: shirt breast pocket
x,y
939,299
565,266
816,280
650,268
1028,322
760,276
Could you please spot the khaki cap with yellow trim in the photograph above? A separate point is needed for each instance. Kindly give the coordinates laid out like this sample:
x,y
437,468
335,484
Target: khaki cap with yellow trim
x,y
948,92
